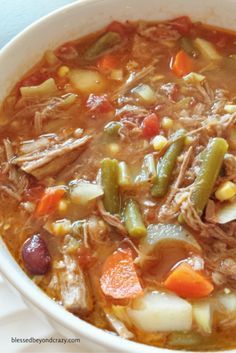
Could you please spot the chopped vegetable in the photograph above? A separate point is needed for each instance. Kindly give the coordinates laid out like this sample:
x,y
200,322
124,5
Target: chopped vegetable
x,y
109,174
159,233
119,278
102,44
166,165
49,201
159,142
99,104
208,173
188,283
202,314
124,177
187,45
230,108
133,220
117,27
145,93
167,123
193,78
185,340
226,213
107,62
117,74
113,148
151,125
183,24
63,71
225,191
182,64
228,301
112,129
148,170
87,81
155,312
82,192
207,49
60,228
45,89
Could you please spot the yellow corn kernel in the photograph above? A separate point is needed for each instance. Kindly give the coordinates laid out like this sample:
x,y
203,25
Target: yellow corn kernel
x,y
188,140
63,206
226,191
63,71
159,142
61,227
114,148
167,123
117,75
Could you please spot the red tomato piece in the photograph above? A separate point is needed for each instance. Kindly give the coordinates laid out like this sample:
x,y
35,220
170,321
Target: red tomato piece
x,y
118,27
85,257
151,125
182,64
182,24
99,104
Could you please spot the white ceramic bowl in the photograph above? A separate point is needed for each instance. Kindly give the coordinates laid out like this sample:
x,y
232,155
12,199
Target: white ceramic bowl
x,y
22,53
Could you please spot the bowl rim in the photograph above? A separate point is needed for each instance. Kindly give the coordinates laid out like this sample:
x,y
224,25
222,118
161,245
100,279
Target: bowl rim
x,y
29,290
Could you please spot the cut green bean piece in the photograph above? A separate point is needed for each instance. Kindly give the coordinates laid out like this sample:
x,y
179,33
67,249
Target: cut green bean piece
x,y
209,171
187,45
107,41
166,165
133,220
124,176
148,170
112,129
109,175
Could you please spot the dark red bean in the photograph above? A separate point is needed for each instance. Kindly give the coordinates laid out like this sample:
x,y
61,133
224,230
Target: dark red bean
x,y
35,255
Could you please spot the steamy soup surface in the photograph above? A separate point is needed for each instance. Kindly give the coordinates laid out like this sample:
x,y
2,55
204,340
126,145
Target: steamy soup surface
x,y
118,181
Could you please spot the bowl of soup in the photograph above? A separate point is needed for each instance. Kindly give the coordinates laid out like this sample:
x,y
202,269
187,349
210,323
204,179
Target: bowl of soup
x,y
118,173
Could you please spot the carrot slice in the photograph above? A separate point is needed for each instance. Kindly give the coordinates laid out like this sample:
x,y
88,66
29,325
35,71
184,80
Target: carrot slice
x,y
49,201
182,64
119,278
107,62
186,282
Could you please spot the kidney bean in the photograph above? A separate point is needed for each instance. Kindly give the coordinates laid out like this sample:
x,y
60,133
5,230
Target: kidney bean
x,y
35,255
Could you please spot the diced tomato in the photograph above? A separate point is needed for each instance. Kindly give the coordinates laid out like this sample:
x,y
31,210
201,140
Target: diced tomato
x,y
119,278
151,125
107,62
182,24
99,104
49,201
85,257
118,27
182,64
67,52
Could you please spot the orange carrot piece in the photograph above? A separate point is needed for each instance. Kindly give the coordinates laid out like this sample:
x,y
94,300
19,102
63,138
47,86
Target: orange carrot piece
x,y
182,64
49,201
107,62
119,278
188,283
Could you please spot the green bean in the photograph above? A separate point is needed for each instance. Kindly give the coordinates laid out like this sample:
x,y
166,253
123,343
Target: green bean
x,y
109,174
124,177
133,220
167,164
112,129
148,170
209,171
187,45
105,42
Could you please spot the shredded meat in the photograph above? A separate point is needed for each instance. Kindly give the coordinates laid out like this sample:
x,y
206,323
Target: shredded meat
x,y
112,220
51,160
74,288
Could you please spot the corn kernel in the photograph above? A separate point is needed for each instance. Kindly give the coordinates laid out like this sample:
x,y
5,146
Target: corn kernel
x,y
117,75
63,206
61,227
159,142
226,191
63,71
188,140
167,123
114,148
